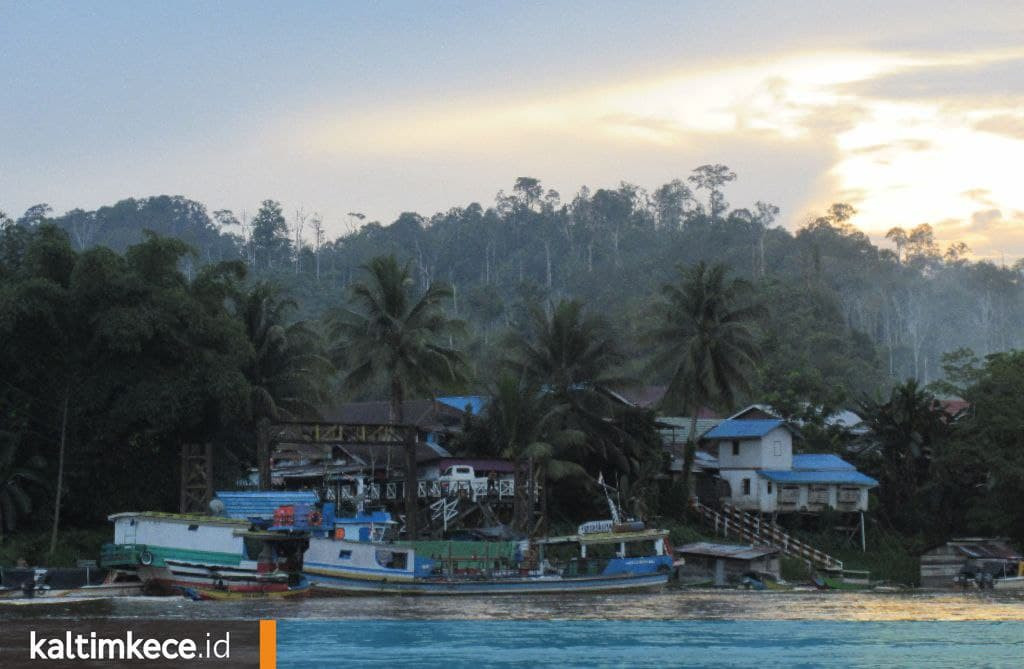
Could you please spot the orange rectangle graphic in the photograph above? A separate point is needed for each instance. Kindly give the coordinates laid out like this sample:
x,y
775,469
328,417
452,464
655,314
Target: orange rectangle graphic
x,y
268,644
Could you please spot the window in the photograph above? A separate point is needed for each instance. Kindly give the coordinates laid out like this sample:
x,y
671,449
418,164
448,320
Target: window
x,y
193,528
392,559
735,448
777,448
345,555
769,487
746,486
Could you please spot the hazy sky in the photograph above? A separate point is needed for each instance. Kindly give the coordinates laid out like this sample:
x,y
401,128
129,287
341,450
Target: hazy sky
x,y
910,111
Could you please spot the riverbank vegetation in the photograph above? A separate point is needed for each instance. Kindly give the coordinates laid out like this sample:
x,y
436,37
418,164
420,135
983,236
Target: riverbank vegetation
x,y
134,328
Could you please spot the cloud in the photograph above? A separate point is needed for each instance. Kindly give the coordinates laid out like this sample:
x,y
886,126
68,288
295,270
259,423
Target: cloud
x,y
987,232
1009,125
982,221
997,75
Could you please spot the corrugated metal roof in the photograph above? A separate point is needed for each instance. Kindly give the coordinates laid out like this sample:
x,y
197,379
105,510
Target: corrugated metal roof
x,y
810,477
726,550
702,461
679,430
262,504
743,429
821,462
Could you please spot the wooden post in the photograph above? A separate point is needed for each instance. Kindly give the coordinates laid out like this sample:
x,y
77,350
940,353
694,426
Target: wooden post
x,y
196,478
263,452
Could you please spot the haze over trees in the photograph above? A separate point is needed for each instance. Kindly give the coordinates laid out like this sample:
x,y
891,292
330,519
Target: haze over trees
x,y
149,323
846,317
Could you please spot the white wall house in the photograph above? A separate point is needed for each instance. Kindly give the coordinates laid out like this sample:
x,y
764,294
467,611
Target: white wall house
x,y
756,460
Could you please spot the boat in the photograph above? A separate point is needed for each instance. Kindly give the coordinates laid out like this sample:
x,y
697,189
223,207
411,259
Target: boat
x,y
358,554
1009,583
208,557
343,566
46,583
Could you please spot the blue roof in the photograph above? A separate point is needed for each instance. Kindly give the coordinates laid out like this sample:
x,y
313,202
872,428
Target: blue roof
x,y
475,403
821,462
743,429
811,477
372,517
251,505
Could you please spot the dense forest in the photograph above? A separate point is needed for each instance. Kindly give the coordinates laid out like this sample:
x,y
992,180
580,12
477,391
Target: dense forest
x,y
136,327
847,316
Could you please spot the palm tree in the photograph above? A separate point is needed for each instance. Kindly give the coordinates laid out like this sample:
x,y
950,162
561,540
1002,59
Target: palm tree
x,y
521,424
288,368
571,356
392,337
16,480
706,339
907,428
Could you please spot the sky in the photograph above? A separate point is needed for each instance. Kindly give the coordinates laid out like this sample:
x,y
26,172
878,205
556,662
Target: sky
x,y
910,111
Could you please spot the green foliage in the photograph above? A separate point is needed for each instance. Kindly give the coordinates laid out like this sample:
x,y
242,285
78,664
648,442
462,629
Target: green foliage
x,y
22,480
75,545
705,338
393,338
143,358
909,430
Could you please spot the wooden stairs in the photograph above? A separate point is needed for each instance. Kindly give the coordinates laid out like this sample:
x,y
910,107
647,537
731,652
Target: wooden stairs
x,y
734,522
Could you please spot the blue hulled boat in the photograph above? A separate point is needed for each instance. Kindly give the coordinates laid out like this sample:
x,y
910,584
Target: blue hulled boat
x,y
354,556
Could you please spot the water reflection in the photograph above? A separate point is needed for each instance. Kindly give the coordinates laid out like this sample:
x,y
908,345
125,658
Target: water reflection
x,y
668,605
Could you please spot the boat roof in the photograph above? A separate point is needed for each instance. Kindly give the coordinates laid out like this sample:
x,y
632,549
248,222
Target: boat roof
x,y
248,504
189,518
272,536
605,537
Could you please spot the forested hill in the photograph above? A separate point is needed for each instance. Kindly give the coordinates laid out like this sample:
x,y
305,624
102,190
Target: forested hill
x,y
845,316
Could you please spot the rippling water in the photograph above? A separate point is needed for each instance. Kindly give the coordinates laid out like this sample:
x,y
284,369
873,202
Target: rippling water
x,y
668,605
721,628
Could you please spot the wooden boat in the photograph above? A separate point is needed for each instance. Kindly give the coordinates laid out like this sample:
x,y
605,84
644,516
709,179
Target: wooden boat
x,y
353,556
207,557
116,583
1009,583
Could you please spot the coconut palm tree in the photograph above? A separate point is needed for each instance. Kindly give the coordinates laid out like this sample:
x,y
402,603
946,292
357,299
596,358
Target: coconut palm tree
x,y
390,336
706,338
288,369
521,424
17,479
572,357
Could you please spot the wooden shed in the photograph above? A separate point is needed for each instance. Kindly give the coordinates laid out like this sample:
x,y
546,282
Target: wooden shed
x,y
941,565
722,564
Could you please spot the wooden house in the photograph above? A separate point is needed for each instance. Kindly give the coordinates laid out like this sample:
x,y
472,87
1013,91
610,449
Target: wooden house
x,y
755,458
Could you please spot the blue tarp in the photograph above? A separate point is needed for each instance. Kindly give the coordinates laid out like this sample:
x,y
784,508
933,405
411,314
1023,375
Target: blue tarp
x,y
812,477
261,505
743,429
475,403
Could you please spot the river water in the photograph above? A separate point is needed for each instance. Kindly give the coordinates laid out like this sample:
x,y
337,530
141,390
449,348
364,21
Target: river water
x,y
712,628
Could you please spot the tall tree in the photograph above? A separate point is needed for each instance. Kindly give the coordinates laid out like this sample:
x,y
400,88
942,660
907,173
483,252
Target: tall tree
x,y
389,335
288,369
909,428
270,233
574,357
711,178
21,478
706,338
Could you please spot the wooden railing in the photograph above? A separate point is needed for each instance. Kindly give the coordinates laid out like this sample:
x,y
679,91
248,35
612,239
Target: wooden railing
x,y
731,521
503,489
